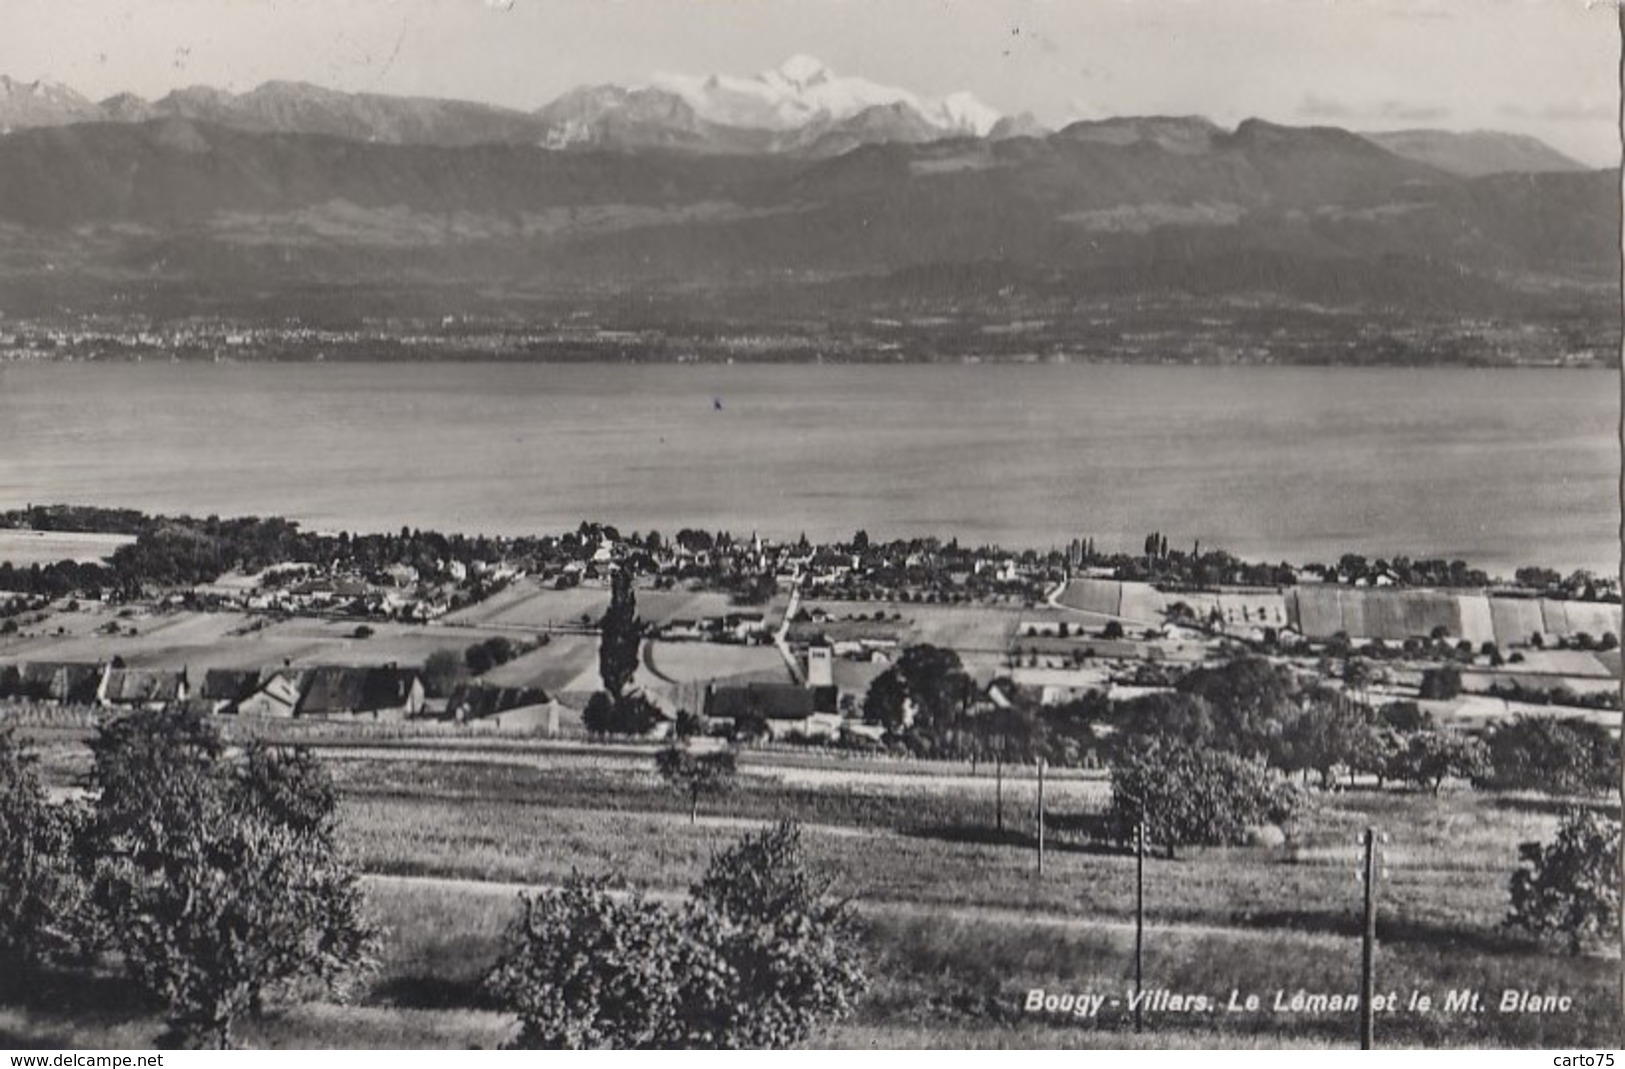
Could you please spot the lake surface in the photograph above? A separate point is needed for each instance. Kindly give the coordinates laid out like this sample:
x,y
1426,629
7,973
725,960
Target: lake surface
x,y
1499,468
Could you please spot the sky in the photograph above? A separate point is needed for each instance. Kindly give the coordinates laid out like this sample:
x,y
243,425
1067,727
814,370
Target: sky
x,y
1549,68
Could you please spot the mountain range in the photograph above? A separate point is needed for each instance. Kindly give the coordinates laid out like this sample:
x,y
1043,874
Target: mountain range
x,y
800,107
797,197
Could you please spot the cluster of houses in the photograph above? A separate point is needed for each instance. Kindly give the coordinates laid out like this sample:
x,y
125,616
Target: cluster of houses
x,y
398,592
384,693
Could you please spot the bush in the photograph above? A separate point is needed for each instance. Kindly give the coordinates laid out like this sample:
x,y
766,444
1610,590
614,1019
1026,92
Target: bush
x,y
791,946
40,893
218,880
1189,795
1569,889
632,714
757,957
1441,684
588,969
497,650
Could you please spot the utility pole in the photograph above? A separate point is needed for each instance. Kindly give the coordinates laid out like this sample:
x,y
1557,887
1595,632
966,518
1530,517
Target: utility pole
x,y
1041,816
1139,922
998,787
1368,944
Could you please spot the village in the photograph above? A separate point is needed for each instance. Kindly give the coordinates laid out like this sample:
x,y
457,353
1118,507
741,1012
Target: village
x,y
780,642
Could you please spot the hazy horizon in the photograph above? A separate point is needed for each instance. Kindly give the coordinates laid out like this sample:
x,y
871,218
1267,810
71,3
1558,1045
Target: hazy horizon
x,y
1546,68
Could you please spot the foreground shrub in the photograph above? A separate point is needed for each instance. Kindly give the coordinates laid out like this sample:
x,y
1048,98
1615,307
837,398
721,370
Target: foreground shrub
x,y
218,881
40,893
757,957
1568,889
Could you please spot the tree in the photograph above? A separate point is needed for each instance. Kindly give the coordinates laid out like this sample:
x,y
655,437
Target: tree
x,y
1112,630
1441,684
620,636
936,683
886,702
1406,717
1569,889
585,968
219,879
1557,756
1329,735
690,725
40,893
1428,758
757,957
1189,795
695,774
1171,715
632,714
442,672
1251,702
599,715
793,947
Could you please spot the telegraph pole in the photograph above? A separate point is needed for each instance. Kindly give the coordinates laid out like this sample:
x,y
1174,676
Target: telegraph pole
x,y
1139,922
998,786
1368,944
1041,816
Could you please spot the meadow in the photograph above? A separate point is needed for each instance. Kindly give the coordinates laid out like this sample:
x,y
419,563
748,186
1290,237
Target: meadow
x,y
959,926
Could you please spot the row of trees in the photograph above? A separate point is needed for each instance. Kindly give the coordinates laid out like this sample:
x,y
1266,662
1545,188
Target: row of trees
x,y
1249,708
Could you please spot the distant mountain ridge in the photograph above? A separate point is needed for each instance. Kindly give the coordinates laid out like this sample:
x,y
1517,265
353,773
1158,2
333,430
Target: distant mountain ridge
x,y
844,203
1476,153
800,108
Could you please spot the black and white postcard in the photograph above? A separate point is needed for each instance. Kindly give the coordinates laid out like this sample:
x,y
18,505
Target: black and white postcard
x,y
798,523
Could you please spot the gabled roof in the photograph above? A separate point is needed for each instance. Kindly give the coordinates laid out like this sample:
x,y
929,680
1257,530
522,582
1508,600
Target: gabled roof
x,y
62,680
771,701
229,684
143,685
475,700
343,690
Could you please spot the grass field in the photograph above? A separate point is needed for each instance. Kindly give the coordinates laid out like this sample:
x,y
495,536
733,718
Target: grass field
x,y
698,662
567,664
175,638
530,603
959,926
967,628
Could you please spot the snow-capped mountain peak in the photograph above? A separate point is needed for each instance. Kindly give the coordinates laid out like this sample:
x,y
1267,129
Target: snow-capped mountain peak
x,y
799,72
803,90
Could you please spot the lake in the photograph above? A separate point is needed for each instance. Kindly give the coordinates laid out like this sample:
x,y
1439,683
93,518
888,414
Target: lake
x,y
1497,467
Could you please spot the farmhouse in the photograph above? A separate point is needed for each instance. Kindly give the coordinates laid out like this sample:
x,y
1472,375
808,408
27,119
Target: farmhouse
x,y
223,688
385,693
142,688
64,683
785,708
476,701
276,694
